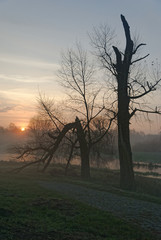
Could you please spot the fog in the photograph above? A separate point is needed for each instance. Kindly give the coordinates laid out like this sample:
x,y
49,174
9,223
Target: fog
x,y
140,142
10,137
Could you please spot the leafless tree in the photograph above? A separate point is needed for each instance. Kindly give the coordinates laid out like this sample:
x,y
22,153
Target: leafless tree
x,y
128,86
77,76
85,95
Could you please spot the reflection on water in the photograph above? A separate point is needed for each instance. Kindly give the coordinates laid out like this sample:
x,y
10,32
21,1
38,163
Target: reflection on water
x,y
141,167
138,166
114,164
7,157
147,167
11,157
110,163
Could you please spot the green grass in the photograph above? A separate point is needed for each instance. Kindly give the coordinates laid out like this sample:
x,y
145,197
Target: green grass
x,y
147,189
29,212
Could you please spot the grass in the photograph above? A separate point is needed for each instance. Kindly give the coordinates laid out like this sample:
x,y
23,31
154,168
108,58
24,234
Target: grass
x,y
29,212
147,189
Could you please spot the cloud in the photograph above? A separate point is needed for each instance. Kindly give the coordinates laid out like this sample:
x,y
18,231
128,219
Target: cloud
x,y
29,62
5,109
12,102
15,78
6,104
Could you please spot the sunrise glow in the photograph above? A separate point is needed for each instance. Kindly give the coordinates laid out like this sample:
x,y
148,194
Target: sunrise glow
x,y
23,129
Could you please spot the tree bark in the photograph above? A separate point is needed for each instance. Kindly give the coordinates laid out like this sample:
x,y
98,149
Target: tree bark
x,y
125,153
122,69
84,151
60,137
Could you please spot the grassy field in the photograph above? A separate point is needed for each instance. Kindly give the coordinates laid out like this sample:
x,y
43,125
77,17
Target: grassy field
x,y
30,212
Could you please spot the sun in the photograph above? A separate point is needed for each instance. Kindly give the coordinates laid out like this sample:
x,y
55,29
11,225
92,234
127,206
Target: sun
x,y
23,129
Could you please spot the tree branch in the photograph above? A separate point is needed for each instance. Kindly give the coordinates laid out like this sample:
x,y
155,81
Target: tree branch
x,y
151,88
126,28
133,113
139,59
141,44
98,139
118,59
147,111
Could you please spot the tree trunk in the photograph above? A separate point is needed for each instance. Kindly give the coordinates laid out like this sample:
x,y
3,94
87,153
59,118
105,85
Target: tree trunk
x,y
60,137
84,151
122,66
125,154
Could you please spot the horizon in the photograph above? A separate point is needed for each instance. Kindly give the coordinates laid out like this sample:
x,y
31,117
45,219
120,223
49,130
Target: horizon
x,y
34,34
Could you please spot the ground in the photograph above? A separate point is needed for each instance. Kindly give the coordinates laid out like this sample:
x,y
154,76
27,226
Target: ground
x,y
29,209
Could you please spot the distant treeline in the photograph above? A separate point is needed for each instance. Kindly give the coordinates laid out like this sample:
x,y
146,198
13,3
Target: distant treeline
x,y
140,141
145,142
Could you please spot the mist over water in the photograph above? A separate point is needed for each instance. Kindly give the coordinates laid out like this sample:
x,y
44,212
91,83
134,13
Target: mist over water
x,y
146,156
8,140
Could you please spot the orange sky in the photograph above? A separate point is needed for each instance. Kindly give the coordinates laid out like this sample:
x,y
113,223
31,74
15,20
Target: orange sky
x,y
34,33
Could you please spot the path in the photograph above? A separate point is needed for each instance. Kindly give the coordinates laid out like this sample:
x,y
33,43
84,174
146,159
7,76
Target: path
x,y
145,214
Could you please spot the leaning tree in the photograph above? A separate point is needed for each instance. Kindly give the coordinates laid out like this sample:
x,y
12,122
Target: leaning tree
x,y
129,86
77,77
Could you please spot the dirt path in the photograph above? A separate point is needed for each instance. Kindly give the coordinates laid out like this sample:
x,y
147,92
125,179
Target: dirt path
x,y
146,214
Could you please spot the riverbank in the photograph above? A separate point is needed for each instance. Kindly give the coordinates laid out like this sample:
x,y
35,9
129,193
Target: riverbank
x,y
30,210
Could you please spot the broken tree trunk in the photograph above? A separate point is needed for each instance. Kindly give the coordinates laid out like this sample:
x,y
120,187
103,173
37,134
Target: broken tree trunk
x,y
84,152
122,67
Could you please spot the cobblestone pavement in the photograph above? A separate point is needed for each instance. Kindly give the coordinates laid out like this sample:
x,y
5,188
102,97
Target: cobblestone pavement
x,y
145,214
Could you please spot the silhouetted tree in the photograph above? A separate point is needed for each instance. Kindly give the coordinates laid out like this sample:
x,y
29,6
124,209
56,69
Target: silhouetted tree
x,y
128,86
47,142
76,76
84,97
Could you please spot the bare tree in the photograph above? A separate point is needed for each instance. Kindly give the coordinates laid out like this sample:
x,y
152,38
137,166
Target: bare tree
x,y
85,96
76,75
119,66
77,136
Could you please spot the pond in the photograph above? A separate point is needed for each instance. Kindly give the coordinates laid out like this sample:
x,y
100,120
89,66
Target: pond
x,y
147,168
140,167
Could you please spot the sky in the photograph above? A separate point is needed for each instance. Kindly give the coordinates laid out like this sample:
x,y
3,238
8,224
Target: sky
x,y
33,34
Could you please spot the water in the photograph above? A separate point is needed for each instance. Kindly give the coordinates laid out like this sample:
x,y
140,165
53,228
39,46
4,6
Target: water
x,y
7,157
141,167
113,164
148,168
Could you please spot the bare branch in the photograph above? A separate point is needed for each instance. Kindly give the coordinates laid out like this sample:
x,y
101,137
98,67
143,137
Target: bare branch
x,y
141,44
156,111
107,129
133,113
100,110
118,59
150,89
129,44
66,128
139,59
126,28
26,165
73,144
